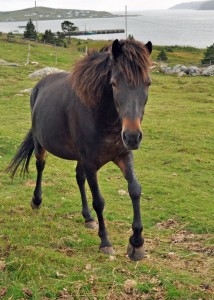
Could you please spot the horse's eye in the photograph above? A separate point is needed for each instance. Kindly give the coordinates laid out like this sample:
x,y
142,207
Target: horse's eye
x,y
113,83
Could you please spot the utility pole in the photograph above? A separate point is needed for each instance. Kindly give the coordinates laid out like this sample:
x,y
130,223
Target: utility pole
x,y
126,21
36,17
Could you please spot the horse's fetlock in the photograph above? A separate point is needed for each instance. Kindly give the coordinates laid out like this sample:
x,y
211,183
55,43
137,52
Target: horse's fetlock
x,y
136,242
37,200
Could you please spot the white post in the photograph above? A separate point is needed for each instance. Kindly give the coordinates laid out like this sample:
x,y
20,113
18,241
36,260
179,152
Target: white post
x,y
126,21
55,55
28,55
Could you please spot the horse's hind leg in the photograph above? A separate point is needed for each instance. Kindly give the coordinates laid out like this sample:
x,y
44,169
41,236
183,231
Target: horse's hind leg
x,y
40,164
98,204
80,177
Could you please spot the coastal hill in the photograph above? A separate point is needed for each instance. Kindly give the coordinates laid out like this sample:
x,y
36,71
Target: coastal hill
x,y
47,13
196,5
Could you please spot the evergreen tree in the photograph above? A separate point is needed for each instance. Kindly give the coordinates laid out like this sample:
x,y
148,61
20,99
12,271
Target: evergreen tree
x,y
30,31
162,56
209,55
48,37
68,27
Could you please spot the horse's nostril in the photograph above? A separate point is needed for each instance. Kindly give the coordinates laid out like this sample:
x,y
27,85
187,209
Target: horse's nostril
x,y
125,136
140,136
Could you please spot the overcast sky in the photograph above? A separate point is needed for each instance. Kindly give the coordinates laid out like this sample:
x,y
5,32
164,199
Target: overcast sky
x,y
108,5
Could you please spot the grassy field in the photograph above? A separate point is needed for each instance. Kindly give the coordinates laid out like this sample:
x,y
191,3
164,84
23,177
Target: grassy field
x,y
49,254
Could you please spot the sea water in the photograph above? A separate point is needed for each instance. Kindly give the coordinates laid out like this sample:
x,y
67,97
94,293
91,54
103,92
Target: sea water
x,y
164,27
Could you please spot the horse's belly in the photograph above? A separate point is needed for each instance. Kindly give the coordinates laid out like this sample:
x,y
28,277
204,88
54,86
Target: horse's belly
x,y
56,140
64,152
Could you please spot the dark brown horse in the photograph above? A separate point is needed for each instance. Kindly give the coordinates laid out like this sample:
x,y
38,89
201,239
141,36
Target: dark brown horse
x,y
92,115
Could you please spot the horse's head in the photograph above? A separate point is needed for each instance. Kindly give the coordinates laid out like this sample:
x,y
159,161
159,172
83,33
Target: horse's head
x,y
130,81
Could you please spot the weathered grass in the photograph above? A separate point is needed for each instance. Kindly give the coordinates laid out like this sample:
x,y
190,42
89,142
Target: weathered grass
x,y
50,251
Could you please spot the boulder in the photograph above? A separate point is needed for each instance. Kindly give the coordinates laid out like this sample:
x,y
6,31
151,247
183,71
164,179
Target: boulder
x,y
176,69
44,72
193,71
180,74
209,71
26,91
3,62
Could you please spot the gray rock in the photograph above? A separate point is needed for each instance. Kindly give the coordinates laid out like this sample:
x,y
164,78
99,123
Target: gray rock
x,y
3,62
209,71
26,91
181,74
44,72
193,70
176,69
181,70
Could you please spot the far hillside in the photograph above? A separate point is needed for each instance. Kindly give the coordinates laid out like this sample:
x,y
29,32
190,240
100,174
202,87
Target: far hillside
x,y
196,5
47,13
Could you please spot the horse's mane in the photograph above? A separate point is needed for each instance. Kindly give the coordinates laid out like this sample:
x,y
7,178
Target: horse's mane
x,y
90,77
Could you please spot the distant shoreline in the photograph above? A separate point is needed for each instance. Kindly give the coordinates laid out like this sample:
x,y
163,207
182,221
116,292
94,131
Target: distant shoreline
x,y
54,19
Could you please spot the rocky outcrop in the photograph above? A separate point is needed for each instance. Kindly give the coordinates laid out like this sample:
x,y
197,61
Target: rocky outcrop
x,y
44,72
182,70
208,71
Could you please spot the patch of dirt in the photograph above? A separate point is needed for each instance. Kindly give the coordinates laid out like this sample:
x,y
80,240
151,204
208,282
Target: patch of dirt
x,y
157,293
27,292
32,183
2,265
64,294
17,210
3,292
193,242
184,251
167,224
66,251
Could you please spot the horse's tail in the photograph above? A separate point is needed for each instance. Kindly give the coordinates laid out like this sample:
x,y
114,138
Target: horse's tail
x,y
22,157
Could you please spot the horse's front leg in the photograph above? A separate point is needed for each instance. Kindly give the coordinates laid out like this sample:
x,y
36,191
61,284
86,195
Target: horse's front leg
x,y
98,205
135,247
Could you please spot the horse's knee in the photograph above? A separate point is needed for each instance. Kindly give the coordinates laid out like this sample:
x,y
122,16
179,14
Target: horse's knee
x,y
134,190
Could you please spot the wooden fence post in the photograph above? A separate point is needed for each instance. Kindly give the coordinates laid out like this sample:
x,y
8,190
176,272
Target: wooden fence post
x,y
28,55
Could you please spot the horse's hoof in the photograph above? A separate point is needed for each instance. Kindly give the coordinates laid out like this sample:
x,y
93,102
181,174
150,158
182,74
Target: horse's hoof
x,y
135,253
107,250
34,206
91,225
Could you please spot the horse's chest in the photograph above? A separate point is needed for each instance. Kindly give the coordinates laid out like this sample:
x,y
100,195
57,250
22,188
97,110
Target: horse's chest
x,y
110,148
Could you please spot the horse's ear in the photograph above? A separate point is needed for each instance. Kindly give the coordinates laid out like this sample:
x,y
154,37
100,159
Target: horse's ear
x,y
116,49
149,47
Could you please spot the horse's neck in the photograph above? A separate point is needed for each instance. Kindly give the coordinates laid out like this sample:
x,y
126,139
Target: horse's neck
x,y
108,115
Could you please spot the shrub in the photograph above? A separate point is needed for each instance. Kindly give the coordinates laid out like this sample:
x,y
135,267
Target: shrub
x,y
162,56
209,55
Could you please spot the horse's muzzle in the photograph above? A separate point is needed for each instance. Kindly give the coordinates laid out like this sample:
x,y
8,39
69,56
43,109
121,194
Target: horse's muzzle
x,y
132,139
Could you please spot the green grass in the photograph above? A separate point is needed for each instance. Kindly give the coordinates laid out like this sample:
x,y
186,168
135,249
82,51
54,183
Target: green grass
x,y
52,254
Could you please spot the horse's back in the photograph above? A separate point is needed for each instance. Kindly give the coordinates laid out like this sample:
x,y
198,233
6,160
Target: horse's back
x,y
49,85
